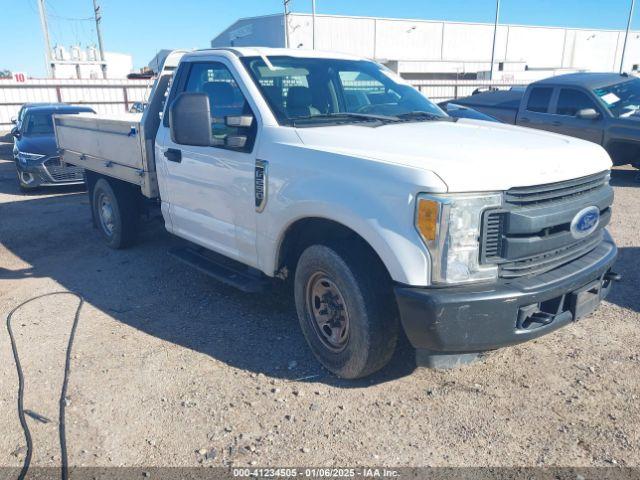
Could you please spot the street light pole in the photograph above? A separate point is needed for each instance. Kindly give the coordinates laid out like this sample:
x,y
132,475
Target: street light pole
x,y
97,13
45,33
313,23
626,36
286,23
495,34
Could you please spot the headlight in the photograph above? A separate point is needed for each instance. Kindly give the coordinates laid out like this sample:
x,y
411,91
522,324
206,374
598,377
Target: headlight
x,y
29,158
450,226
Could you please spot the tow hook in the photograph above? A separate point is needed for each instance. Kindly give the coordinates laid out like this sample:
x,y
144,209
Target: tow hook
x,y
613,276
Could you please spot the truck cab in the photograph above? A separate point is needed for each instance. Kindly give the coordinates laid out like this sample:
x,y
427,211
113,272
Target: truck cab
x,y
603,108
331,172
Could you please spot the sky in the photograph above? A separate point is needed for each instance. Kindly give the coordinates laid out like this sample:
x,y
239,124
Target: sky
x,y
142,27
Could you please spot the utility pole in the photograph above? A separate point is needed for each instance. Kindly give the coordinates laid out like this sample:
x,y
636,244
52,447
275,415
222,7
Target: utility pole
x,y
47,41
495,34
626,36
98,16
286,23
313,22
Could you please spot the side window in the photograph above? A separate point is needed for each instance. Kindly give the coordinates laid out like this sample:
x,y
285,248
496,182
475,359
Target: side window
x,y
225,100
539,99
570,101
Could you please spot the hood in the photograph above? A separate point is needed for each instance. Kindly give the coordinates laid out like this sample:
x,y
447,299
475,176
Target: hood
x,y
40,144
467,155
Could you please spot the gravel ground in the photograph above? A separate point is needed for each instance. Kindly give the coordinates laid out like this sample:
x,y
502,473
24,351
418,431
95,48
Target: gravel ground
x,y
170,368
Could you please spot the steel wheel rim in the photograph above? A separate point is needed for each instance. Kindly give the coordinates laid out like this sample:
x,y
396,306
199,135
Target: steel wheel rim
x,y
105,212
327,311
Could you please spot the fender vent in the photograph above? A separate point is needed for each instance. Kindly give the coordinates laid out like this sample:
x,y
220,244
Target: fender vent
x,y
260,181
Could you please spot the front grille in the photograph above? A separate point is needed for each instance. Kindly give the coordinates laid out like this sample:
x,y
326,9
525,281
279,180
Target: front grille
x,y
555,192
531,233
63,173
548,261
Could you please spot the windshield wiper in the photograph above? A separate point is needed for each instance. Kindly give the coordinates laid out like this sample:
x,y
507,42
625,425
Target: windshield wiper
x,y
342,116
420,115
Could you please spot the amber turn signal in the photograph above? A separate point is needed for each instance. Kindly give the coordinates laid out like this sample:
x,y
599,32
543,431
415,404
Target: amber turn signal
x,y
427,219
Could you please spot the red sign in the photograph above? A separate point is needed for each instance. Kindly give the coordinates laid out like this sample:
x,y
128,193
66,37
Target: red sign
x,y
20,77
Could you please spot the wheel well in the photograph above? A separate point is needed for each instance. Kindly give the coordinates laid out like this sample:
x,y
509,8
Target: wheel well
x,y
91,178
126,192
623,152
320,231
120,188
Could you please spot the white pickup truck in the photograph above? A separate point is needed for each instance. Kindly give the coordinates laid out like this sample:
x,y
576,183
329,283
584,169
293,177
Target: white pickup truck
x,y
332,172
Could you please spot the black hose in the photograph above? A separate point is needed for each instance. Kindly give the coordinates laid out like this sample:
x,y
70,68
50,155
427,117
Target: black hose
x,y
63,393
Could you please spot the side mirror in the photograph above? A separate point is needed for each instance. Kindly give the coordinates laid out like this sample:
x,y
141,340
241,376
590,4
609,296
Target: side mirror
x,y
15,132
588,114
14,120
190,119
239,121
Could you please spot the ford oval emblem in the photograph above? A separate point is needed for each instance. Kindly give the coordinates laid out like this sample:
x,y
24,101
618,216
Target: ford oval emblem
x,y
585,222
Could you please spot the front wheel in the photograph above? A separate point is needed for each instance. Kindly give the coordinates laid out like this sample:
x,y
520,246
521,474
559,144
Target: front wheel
x,y
116,213
346,310
24,187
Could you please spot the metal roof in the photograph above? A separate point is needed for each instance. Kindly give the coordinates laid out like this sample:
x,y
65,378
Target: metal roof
x,y
430,20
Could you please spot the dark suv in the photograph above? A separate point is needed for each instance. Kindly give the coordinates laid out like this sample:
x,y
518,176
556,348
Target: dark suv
x,y
35,150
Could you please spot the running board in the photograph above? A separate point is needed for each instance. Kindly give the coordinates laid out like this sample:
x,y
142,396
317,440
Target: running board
x,y
222,269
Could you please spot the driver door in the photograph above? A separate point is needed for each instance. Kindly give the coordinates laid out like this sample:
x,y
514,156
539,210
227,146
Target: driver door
x,y
211,188
570,102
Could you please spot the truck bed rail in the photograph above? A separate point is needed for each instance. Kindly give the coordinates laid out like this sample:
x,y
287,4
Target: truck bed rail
x,y
113,146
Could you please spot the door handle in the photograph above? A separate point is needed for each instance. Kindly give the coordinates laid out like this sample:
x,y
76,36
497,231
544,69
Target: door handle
x,y
173,155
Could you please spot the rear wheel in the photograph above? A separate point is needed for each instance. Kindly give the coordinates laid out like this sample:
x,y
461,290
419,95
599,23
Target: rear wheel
x,y
346,310
116,213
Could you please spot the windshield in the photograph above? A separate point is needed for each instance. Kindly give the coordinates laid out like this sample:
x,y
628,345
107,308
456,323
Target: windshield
x,y
622,99
39,124
317,91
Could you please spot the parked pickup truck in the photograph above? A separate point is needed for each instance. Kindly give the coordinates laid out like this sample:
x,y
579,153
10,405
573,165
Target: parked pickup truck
x,y
330,171
603,108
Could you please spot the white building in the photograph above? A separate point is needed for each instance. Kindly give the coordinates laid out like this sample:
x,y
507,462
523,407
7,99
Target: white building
x,y
77,62
426,49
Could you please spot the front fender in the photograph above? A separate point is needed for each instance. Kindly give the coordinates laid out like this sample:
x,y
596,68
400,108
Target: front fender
x,y
375,200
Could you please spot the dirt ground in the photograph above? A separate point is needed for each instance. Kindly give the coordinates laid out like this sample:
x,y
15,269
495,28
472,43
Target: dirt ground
x,y
170,368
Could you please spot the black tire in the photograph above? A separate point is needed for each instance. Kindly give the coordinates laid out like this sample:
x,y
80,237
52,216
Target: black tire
x,y
119,228
371,312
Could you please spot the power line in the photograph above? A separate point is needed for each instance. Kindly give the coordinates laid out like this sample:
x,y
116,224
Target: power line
x,y
71,19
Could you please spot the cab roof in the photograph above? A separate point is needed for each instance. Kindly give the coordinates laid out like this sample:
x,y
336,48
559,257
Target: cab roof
x,y
58,108
272,52
588,80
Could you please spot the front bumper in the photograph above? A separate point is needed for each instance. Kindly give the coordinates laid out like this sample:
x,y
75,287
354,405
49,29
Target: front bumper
x,y
479,318
48,172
